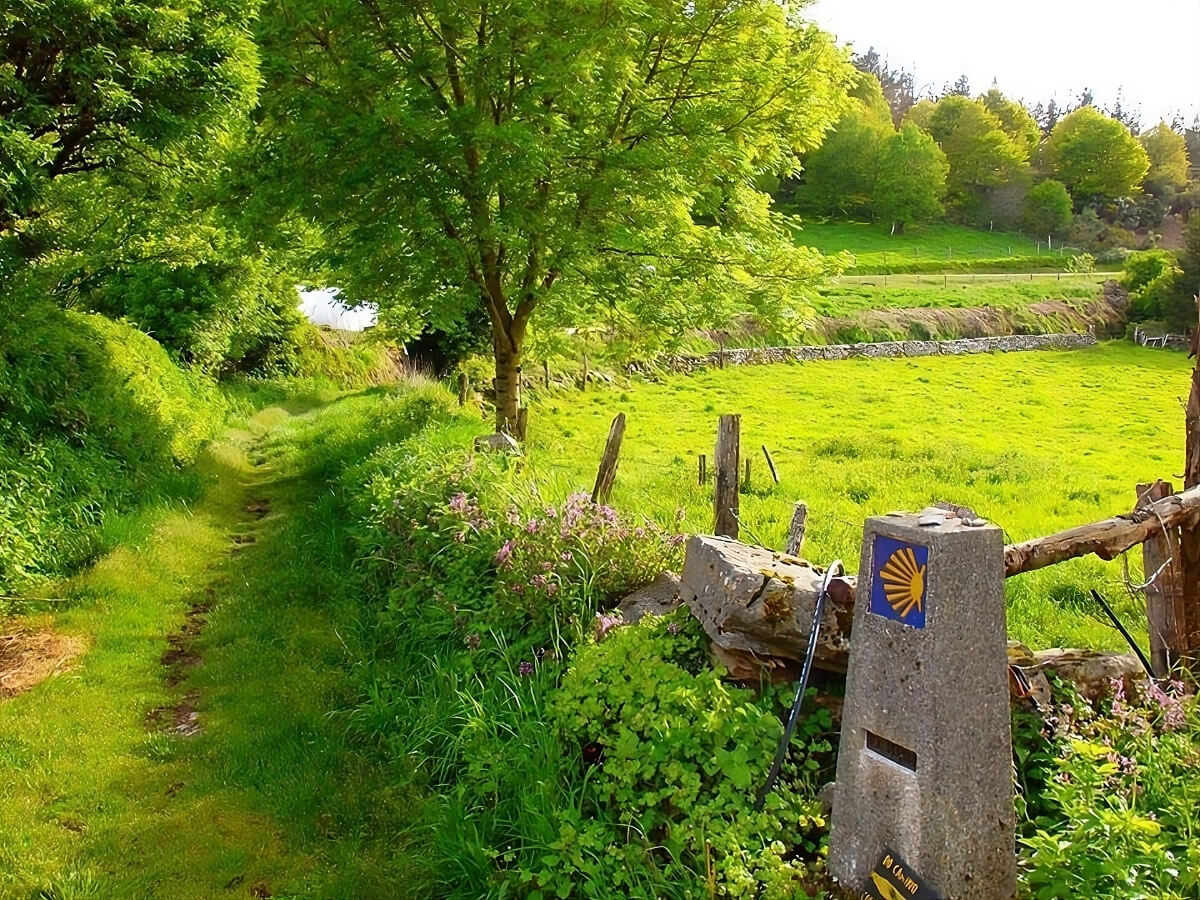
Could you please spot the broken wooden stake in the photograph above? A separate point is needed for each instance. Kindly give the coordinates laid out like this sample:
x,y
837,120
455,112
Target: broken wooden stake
x,y
608,463
770,464
795,541
725,496
703,469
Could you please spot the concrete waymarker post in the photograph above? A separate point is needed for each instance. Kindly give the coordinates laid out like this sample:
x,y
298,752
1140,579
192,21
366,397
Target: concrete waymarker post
x,y
923,769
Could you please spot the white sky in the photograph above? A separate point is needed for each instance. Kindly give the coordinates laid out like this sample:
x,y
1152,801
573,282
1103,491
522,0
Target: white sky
x,y
1036,49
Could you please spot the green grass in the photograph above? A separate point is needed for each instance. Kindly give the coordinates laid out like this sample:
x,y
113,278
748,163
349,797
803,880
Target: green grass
x,y
96,803
1035,442
842,299
932,247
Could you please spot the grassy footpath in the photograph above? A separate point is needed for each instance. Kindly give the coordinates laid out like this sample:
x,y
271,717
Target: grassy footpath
x,y
1033,441
99,799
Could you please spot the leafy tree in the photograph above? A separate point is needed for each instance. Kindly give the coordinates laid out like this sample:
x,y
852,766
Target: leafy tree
x,y
1191,137
1015,119
841,176
960,88
981,155
1130,118
567,159
1048,208
84,86
897,84
1167,151
1095,156
1046,116
921,113
912,178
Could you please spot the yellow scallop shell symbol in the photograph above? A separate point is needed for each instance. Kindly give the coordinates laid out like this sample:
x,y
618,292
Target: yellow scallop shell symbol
x,y
904,582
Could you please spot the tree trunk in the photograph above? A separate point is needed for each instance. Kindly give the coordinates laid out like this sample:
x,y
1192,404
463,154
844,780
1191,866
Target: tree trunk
x,y
508,384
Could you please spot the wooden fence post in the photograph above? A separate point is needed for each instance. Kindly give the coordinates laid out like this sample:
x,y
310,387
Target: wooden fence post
x,y
703,469
583,383
1160,561
770,464
463,385
608,463
1189,536
546,372
725,496
795,541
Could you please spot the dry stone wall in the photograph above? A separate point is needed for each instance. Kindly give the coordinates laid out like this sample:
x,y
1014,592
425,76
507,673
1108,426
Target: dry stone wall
x,y
960,347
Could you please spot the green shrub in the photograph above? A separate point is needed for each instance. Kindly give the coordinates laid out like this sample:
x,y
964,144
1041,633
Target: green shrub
x,y
1151,277
1048,208
1117,818
93,414
632,773
1081,262
674,759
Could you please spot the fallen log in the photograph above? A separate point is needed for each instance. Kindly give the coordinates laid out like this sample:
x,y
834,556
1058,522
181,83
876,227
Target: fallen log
x,y
754,601
1107,539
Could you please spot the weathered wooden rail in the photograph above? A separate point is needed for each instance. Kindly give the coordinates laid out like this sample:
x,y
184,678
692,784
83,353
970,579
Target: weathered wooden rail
x,y
1107,539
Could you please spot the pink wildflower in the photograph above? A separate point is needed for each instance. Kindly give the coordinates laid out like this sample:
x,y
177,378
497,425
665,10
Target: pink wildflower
x,y
505,553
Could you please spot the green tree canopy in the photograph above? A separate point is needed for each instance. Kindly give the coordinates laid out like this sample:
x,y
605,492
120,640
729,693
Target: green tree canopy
x,y
570,159
1015,119
921,113
912,178
1048,208
842,175
86,85
981,154
1167,152
1095,156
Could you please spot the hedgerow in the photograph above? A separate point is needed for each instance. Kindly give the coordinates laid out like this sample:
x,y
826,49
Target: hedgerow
x,y
94,417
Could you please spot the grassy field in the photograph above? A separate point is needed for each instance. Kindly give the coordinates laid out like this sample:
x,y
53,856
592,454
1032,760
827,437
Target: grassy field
x,y
843,299
926,247
1033,441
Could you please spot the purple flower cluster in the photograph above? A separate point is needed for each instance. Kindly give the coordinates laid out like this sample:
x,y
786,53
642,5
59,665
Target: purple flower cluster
x,y
565,546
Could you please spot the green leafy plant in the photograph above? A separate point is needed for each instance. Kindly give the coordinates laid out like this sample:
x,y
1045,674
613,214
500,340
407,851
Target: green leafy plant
x,y
675,757
1116,818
